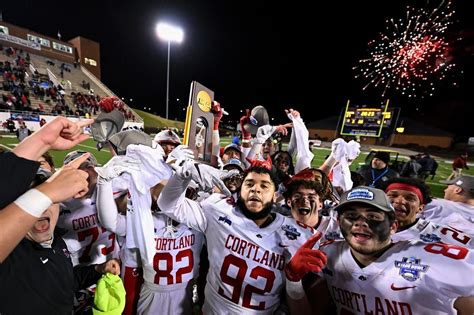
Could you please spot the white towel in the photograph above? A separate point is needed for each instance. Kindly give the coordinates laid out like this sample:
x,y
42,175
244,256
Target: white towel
x,y
153,169
344,154
299,142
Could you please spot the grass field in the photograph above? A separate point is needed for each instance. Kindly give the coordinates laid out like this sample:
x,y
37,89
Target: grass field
x,y
103,156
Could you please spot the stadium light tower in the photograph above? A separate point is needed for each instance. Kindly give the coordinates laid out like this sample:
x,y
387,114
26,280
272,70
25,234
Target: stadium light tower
x,y
169,33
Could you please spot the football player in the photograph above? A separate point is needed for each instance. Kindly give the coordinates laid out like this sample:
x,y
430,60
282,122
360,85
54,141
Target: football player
x,y
408,197
249,245
369,274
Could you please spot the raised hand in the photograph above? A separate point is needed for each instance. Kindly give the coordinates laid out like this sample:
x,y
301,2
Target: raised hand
x,y
246,135
306,260
216,109
67,183
117,165
205,176
179,155
112,266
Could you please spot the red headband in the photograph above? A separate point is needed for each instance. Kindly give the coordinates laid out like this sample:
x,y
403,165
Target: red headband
x,y
407,187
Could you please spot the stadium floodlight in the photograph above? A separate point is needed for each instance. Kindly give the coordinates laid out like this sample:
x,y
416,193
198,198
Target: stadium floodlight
x,y
170,34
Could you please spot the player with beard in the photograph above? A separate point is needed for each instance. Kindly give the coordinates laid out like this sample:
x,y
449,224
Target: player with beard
x,y
369,274
249,246
304,197
408,197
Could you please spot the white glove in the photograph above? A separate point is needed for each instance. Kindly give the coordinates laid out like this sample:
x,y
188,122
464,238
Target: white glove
x,y
263,133
116,166
180,154
205,176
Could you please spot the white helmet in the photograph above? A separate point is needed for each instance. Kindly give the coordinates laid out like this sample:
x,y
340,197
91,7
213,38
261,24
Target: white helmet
x,y
167,136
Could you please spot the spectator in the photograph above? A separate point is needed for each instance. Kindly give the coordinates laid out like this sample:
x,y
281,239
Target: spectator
x,y
11,125
22,132
378,171
47,163
459,164
411,168
427,164
42,122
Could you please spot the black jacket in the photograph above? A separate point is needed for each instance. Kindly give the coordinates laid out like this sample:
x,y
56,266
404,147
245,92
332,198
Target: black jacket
x,y
37,280
377,178
18,173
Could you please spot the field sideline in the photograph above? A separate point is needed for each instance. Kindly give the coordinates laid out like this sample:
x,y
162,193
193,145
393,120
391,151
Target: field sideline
x,y
444,169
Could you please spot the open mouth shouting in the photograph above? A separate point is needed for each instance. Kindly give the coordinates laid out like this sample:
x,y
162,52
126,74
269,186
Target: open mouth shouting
x,y
42,225
304,211
401,211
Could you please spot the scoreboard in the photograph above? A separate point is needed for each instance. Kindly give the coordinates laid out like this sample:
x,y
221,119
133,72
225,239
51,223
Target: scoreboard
x,y
367,121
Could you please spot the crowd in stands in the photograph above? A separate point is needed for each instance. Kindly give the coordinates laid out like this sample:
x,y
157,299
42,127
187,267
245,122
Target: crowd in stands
x,y
18,88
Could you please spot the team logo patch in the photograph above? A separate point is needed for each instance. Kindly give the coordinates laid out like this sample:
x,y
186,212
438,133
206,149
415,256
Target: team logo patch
x,y
360,194
225,219
331,236
291,232
410,268
430,238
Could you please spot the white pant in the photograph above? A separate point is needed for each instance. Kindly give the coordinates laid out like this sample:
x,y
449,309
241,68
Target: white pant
x,y
156,299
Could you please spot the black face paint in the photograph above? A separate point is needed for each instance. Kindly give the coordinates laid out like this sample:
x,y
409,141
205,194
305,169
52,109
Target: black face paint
x,y
267,208
381,229
295,203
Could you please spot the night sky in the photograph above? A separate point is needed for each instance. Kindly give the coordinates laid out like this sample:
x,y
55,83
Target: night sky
x,y
251,53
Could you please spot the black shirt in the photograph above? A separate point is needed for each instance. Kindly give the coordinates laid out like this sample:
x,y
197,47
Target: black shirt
x,y
17,175
37,280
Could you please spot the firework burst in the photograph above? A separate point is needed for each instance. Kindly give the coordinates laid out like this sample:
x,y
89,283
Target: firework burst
x,y
411,55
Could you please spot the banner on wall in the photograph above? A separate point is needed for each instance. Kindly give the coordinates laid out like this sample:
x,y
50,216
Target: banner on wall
x,y
19,41
25,116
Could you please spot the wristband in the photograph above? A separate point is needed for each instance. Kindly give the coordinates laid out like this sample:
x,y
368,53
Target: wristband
x,y
34,202
295,289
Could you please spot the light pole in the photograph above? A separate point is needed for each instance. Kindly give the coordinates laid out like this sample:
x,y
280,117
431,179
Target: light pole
x,y
169,33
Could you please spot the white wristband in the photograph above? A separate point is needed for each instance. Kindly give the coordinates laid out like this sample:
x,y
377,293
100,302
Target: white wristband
x,y
33,202
295,290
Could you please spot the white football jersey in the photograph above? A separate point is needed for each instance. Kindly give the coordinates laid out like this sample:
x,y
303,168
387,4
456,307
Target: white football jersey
x,y
456,214
410,278
178,250
246,272
168,287
430,232
88,242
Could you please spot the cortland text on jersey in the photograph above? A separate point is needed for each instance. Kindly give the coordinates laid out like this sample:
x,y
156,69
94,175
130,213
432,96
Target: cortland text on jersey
x,y
410,277
185,241
85,222
252,251
354,301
